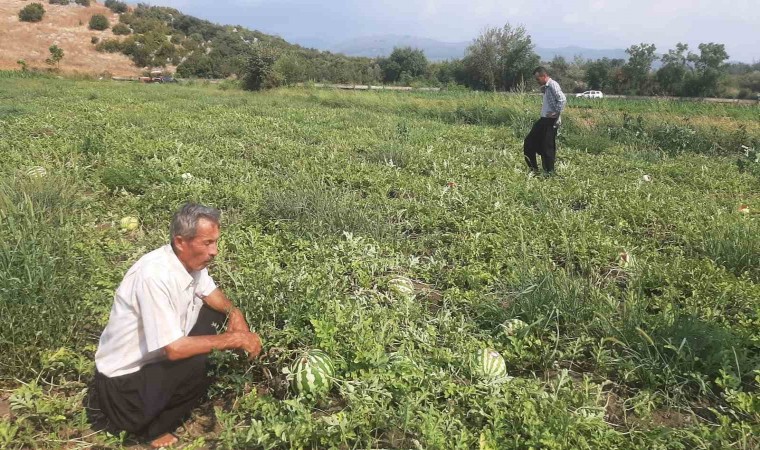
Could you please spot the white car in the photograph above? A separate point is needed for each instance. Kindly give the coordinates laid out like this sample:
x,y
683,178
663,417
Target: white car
x,y
590,94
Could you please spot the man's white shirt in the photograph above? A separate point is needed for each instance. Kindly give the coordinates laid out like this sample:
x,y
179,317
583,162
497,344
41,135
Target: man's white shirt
x,y
157,302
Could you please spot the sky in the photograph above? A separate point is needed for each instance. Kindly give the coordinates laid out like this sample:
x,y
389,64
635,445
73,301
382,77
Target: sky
x,y
600,24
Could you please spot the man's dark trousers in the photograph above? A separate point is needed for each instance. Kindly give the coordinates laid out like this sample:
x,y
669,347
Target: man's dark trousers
x,y
541,140
157,398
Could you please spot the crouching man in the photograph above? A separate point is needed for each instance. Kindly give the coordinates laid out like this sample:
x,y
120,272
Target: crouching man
x,y
151,359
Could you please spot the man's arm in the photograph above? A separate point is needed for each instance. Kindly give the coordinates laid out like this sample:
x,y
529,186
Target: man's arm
x,y
559,99
217,301
190,346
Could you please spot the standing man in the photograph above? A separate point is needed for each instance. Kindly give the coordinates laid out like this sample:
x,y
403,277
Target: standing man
x,y
151,360
542,138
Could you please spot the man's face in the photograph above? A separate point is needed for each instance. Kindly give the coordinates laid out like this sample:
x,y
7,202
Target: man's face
x,y
542,78
198,252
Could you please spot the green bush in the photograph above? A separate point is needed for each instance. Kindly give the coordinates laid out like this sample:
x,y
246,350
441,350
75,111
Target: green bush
x,y
116,6
260,73
121,29
59,2
110,46
82,2
99,22
32,12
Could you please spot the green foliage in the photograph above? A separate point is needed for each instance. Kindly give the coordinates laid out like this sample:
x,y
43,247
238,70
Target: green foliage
x,y
636,70
749,160
32,12
99,22
403,62
109,45
116,6
121,29
59,2
654,350
260,73
56,55
82,2
501,58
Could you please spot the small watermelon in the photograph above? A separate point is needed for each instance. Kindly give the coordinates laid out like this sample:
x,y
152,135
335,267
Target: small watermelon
x,y
512,326
129,223
402,287
490,365
36,172
312,372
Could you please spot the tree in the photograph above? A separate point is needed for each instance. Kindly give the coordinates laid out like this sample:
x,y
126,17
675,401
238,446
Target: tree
x,y
260,73
99,22
402,60
636,70
32,12
558,67
56,55
675,66
602,74
500,58
709,69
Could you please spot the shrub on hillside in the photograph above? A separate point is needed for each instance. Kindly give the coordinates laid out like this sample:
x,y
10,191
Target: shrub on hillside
x,y
121,29
82,2
110,46
59,2
99,22
32,12
94,40
116,6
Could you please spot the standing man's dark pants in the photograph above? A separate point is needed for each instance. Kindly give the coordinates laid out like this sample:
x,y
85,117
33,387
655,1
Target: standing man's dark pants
x,y
541,140
156,399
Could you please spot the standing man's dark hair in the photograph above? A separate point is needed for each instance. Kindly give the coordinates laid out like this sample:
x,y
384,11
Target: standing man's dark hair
x,y
542,138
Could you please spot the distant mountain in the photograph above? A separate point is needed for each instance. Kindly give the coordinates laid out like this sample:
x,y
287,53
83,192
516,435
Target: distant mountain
x,y
383,46
372,46
569,53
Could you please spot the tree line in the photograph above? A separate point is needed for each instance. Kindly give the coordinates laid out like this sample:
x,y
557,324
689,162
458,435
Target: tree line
x,y
499,59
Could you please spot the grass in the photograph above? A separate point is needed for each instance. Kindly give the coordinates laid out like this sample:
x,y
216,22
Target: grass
x,y
326,195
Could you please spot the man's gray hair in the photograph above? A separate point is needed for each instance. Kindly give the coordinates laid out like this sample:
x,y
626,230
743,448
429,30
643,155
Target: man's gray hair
x,y
185,221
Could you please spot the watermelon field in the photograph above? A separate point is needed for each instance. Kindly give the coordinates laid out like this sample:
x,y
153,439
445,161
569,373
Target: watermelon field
x,y
460,301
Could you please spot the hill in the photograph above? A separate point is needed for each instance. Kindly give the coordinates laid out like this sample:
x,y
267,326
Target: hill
x,y
65,26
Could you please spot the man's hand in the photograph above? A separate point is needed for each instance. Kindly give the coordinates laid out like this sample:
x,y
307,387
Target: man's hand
x,y
249,342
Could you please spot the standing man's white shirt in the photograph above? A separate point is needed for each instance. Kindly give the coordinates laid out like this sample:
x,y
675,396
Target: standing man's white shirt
x,y
157,303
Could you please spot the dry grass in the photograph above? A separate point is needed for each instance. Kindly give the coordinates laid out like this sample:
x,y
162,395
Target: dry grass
x,y
60,26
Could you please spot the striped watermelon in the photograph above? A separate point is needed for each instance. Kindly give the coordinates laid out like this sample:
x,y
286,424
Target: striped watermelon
x,y
402,287
36,172
490,365
512,326
312,372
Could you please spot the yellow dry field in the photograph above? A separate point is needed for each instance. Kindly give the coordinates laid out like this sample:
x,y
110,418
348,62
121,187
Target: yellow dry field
x,y
66,27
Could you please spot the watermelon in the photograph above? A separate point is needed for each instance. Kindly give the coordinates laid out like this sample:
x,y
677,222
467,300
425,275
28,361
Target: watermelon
x,y
312,372
402,287
36,172
490,365
512,326
129,223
